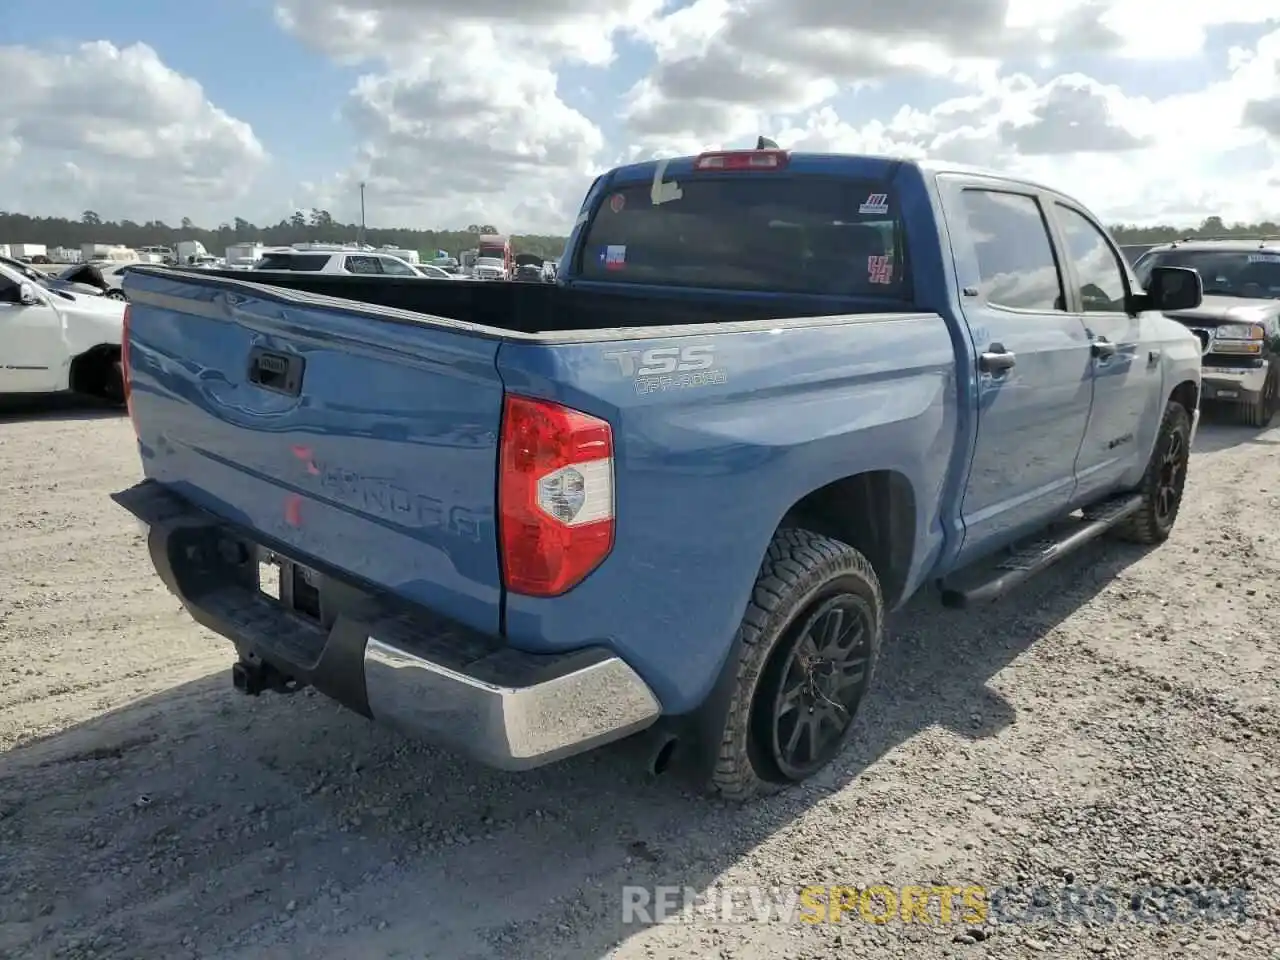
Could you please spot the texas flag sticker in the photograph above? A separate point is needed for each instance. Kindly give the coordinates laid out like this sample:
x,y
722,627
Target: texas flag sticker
x,y
615,257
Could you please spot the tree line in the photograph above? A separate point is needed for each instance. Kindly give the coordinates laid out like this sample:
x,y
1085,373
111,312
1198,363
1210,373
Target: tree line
x,y
1209,227
318,226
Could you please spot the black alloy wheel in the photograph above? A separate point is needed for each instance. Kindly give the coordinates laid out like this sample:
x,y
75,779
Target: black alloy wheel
x,y
1172,470
817,682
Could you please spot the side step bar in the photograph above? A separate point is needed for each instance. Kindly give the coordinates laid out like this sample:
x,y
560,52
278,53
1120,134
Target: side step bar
x,y
1026,562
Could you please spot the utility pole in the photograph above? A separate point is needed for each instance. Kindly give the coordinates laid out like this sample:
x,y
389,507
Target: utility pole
x,y
362,213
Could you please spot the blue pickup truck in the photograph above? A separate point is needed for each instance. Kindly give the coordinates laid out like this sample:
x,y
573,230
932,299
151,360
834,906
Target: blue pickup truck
x,y
770,397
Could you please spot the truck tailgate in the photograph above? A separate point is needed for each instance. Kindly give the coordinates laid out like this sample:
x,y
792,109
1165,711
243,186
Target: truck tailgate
x,y
336,435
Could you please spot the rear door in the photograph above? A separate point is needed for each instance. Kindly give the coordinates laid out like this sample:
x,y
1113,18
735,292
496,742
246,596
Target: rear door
x,y
1125,360
32,350
1033,371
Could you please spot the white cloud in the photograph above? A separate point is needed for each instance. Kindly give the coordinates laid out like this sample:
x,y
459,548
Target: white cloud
x,y
463,121
744,59
729,69
117,131
463,113
1257,75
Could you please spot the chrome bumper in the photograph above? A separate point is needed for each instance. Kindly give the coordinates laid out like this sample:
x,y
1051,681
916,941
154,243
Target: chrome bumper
x,y
1231,383
409,669
576,706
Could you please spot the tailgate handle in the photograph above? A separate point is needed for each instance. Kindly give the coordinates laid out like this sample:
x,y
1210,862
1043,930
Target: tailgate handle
x,y
278,372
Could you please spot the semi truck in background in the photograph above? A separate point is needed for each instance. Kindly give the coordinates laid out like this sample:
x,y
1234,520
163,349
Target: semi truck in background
x,y
27,251
107,253
191,251
494,246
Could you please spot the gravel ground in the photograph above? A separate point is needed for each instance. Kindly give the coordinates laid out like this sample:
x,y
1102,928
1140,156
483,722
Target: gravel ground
x,y
1116,723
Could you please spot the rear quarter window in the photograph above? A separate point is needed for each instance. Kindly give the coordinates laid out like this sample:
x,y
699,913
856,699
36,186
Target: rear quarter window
x,y
306,262
760,232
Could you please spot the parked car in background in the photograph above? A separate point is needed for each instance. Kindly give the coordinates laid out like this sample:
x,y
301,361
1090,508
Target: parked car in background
x,y
106,279
339,261
490,268
56,341
1134,251
1238,322
432,272
51,281
27,270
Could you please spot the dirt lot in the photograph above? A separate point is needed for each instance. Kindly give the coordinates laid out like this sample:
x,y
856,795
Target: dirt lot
x,y
1115,723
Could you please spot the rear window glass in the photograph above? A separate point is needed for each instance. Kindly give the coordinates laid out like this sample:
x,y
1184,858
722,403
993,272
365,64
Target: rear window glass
x,y
756,232
293,261
1253,272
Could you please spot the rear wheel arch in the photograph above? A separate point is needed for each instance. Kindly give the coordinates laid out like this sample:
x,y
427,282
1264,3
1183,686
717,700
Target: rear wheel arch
x,y
96,372
875,513
1187,395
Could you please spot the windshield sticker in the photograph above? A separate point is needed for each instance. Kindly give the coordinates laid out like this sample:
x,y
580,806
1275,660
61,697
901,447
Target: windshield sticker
x,y
661,192
876,203
880,270
1264,258
614,257
617,202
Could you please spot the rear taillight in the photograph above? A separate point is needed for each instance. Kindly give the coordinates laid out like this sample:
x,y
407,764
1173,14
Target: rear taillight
x,y
555,496
742,160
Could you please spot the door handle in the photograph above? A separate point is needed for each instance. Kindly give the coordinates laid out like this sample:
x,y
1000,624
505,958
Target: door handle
x,y
1153,357
997,359
1103,348
278,372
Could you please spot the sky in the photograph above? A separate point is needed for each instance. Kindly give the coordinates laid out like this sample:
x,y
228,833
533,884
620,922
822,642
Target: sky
x,y
502,112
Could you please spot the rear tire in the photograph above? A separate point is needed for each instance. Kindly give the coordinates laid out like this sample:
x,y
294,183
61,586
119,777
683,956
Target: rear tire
x,y
809,642
1164,480
1260,411
113,387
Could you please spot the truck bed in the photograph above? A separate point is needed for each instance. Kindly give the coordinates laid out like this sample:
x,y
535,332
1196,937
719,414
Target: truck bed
x,y
539,308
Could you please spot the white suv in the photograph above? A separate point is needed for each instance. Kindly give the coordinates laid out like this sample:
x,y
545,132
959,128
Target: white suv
x,y
347,262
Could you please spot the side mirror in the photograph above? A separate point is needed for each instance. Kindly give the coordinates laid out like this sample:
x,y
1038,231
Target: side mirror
x,y
1173,288
27,295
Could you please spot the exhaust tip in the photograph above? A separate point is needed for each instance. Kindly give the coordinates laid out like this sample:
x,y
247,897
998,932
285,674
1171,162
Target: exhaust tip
x,y
660,759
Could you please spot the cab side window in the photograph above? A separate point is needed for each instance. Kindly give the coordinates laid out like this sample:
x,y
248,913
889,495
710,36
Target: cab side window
x,y
1016,262
363,265
394,268
1098,270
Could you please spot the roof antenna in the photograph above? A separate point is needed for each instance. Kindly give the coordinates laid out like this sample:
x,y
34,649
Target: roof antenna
x,y
764,143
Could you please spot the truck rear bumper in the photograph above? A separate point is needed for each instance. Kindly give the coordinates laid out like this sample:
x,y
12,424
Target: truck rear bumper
x,y
404,667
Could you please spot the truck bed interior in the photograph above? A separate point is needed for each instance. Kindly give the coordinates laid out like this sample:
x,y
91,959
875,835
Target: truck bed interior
x,y
538,307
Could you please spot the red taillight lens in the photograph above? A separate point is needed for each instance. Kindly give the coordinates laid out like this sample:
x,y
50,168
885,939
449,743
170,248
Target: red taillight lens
x,y
555,496
742,160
